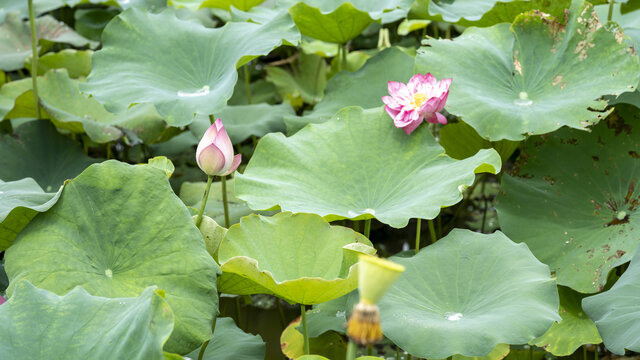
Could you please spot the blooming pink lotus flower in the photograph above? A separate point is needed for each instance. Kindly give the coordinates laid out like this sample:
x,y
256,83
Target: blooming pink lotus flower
x,y
215,152
420,99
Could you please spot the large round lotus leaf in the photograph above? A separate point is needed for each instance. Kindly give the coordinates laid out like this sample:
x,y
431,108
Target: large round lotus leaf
x,y
71,110
244,121
338,25
115,230
359,166
297,257
180,66
21,201
15,45
36,150
616,312
579,217
535,76
363,88
466,294
231,343
575,329
38,324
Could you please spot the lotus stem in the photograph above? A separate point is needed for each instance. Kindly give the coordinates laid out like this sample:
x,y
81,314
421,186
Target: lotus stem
x,y
356,225
204,201
351,351
369,350
109,153
397,353
610,15
305,332
367,227
584,352
432,231
418,226
225,203
345,52
247,82
282,319
34,58
206,343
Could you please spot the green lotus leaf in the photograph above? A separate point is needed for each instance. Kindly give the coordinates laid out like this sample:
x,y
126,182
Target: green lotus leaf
x,y
91,22
455,10
461,141
330,345
77,63
38,151
243,5
38,324
535,76
180,66
231,343
212,233
71,110
307,82
498,353
575,329
496,292
123,4
96,237
359,166
191,194
21,201
339,25
364,88
244,121
39,7
297,257
16,44
9,94
616,312
579,218
163,163
331,315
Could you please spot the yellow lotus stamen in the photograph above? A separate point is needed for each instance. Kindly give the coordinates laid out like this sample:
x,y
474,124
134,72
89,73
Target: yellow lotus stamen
x,y
364,324
419,99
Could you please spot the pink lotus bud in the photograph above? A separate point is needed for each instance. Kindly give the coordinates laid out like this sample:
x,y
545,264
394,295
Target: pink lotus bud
x,y
420,99
214,154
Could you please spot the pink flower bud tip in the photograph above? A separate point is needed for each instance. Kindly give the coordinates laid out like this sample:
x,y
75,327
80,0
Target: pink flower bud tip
x,y
214,154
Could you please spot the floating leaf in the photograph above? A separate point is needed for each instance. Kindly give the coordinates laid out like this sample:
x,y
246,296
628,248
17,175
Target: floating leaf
x,y
496,292
182,67
579,218
36,150
358,166
616,312
38,324
21,201
71,110
297,257
535,76
16,46
77,63
231,343
575,329
116,230
364,88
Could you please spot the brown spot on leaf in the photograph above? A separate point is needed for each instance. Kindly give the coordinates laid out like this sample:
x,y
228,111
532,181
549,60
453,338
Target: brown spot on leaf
x,y
516,63
617,255
556,80
595,158
549,179
634,154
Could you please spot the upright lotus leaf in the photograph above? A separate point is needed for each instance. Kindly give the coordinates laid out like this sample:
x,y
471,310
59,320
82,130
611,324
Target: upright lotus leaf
x,y
580,218
454,10
38,324
115,230
244,121
191,194
9,93
297,257
466,294
616,312
77,63
359,166
15,46
71,110
180,66
21,201
38,151
575,329
338,25
231,343
535,76
330,345
307,81
363,88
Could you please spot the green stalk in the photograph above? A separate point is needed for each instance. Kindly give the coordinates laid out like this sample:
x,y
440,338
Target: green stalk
x,y
345,51
397,353
432,232
206,343
367,227
282,319
204,201
351,351
247,82
418,226
212,119
224,200
34,58
369,350
584,352
305,332
595,353
610,15
356,225
109,153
